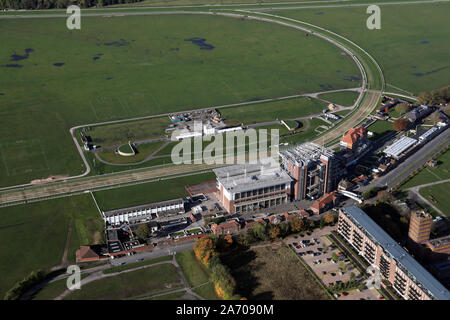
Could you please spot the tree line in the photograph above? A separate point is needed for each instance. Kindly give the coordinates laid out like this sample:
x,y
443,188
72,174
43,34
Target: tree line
x,y
58,4
435,97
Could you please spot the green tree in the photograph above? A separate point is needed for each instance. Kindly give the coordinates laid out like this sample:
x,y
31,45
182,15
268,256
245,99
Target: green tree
x,y
259,231
143,231
334,257
401,108
295,224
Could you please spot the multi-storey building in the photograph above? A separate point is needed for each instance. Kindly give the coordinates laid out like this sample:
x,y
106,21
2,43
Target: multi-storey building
x,y
248,187
314,168
395,265
353,138
420,226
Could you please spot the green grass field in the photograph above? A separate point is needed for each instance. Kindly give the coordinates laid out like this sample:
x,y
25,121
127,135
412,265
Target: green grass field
x,y
428,174
123,67
137,264
34,236
196,274
143,151
148,192
270,111
380,128
344,98
148,281
439,195
411,47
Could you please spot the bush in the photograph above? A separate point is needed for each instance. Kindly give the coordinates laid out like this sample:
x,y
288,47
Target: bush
x,y
21,287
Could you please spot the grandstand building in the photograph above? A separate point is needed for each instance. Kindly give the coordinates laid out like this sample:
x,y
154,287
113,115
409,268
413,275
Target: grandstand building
x,y
248,187
143,213
315,170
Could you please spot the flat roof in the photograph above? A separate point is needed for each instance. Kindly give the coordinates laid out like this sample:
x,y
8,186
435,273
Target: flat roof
x,y
244,177
142,207
306,153
392,248
400,146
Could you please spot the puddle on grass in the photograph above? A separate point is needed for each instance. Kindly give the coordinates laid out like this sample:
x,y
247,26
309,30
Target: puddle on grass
x,y
201,42
109,78
418,74
351,78
326,86
319,13
2,94
120,43
97,56
174,49
424,42
12,65
59,64
18,57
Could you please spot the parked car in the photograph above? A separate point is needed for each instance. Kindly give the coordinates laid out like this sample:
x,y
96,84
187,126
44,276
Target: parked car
x,y
140,260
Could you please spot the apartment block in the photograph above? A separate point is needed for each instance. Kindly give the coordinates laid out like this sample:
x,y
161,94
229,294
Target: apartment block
x,y
395,265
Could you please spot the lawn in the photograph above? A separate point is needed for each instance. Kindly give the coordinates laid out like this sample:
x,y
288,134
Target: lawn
x,y
428,174
143,151
125,67
439,195
272,274
148,192
120,133
271,111
33,236
137,264
344,98
412,49
196,274
148,281
380,128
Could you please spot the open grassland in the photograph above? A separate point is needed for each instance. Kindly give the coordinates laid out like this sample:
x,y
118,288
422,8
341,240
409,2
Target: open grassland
x,y
119,133
143,151
270,111
267,273
428,174
439,195
380,128
34,236
124,67
412,45
148,192
137,264
197,275
344,98
148,281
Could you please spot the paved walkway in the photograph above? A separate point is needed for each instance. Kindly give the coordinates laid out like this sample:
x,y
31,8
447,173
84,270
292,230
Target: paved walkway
x,y
99,275
416,193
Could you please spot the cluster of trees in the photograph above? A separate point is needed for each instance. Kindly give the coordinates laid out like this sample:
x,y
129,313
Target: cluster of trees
x,y
58,4
351,284
372,192
23,286
205,250
143,231
435,97
400,124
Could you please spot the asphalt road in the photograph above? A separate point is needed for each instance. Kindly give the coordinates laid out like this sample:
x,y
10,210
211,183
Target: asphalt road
x,y
413,162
